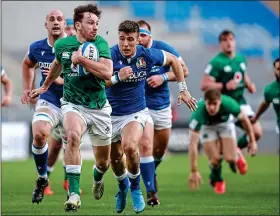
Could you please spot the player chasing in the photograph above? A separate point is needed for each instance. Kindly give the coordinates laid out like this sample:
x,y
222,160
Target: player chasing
x,y
47,114
154,142
8,88
227,72
131,64
271,95
212,124
84,104
70,29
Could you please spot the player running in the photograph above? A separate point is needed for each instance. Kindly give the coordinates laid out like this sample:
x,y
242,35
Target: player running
x,y
227,73
153,148
271,95
8,88
212,123
84,104
129,115
47,114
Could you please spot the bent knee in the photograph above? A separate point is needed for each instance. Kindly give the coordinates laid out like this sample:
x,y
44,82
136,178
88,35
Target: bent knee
x,y
41,135
215,161
73,137
103,165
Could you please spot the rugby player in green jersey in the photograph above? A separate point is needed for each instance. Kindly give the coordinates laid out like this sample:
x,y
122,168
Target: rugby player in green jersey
x,y
271,95
212,122
84,104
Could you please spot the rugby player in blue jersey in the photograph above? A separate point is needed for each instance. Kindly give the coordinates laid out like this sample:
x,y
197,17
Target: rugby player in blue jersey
x,y
47,114
129,110
155,139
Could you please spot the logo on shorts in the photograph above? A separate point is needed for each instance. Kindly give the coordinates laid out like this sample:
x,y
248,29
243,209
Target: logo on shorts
x,y
136,117
107,130
44,103
205,136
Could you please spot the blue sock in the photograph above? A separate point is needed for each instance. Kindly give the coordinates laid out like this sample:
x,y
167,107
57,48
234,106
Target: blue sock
x,y
123,184
147,167
41,158
134,180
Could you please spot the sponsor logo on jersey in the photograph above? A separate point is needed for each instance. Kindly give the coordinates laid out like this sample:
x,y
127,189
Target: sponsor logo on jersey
x,y
227,69
276,100
66,55
155,69
137,76
42,53
140,63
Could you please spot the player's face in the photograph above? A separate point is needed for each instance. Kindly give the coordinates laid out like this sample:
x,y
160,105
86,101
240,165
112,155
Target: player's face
x,y
212,107
89,26
228,43
277,70
144,39
128,43
55,23
70,30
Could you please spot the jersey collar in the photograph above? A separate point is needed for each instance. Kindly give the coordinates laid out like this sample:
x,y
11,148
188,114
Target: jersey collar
x,y
128,59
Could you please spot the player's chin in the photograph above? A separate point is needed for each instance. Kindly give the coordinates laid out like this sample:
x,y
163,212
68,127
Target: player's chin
x,y
56,32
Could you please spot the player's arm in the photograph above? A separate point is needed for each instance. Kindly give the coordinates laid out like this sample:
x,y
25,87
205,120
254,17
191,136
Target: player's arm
x,y
249,84
193,150
54,73
211,73
102,69
263,105
123,74
28,73
171,76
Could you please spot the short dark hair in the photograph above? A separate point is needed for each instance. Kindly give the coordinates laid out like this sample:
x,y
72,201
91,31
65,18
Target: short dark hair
x,y
225,33
212,95
129,26
143,22
276,60
80,10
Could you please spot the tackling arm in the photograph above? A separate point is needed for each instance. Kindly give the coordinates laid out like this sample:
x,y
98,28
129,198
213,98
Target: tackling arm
x,y
261,109
194,140
171,76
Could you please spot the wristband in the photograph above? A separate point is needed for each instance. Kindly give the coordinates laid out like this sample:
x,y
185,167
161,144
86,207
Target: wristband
x,y
182,86
165,77
115,79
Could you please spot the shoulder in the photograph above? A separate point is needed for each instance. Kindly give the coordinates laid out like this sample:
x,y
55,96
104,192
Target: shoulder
x,y
228,100
270,87
38,44
100,40
61,41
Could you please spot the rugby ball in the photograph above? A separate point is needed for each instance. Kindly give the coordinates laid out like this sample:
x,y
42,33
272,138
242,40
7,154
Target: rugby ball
x,y
90,51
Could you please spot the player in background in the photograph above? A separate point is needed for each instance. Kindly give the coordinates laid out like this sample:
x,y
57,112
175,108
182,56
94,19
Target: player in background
x,y
153,148
84,104
129,111
70,29
271,95
212,123
8,88
227,72
47,114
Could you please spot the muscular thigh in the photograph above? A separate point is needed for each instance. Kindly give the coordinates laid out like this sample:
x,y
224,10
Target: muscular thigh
x,y
211,149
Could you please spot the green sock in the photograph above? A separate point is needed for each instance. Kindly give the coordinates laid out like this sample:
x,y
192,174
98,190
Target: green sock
x,y
48,173
216,174
243,142
97,175
74,183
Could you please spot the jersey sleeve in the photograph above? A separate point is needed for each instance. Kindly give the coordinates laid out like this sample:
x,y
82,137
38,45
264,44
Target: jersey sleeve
x,y
57,51
104,49
166,47
231,106
31,53
157,56
195,123
243,65
212,69
267,95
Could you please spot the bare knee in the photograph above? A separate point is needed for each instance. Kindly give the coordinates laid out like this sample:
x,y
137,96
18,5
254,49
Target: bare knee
x,y
215,161
230,159
146,147
73,138
116,157
103,165
40,136
130,146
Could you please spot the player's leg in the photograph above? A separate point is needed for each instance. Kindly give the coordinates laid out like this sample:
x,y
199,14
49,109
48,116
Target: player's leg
x,y
147,165
162,124
55,144
244,139
44,119
118,165
231,153
209,139
75,126
131,135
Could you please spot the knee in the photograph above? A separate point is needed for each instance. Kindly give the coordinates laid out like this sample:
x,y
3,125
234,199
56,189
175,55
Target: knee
x,y
215,161
230,159
130,151
130,146
258,133
73,137
116,157
40,136
158,152
146,147
103,165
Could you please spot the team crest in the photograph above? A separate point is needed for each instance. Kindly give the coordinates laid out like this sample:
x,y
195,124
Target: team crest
x,y
227,68
140,63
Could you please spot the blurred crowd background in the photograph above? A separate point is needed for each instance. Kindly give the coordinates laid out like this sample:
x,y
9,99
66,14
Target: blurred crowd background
x,y
192,27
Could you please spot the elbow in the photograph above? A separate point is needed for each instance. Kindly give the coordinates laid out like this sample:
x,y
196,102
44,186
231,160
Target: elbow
x,y
186,72
203,87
